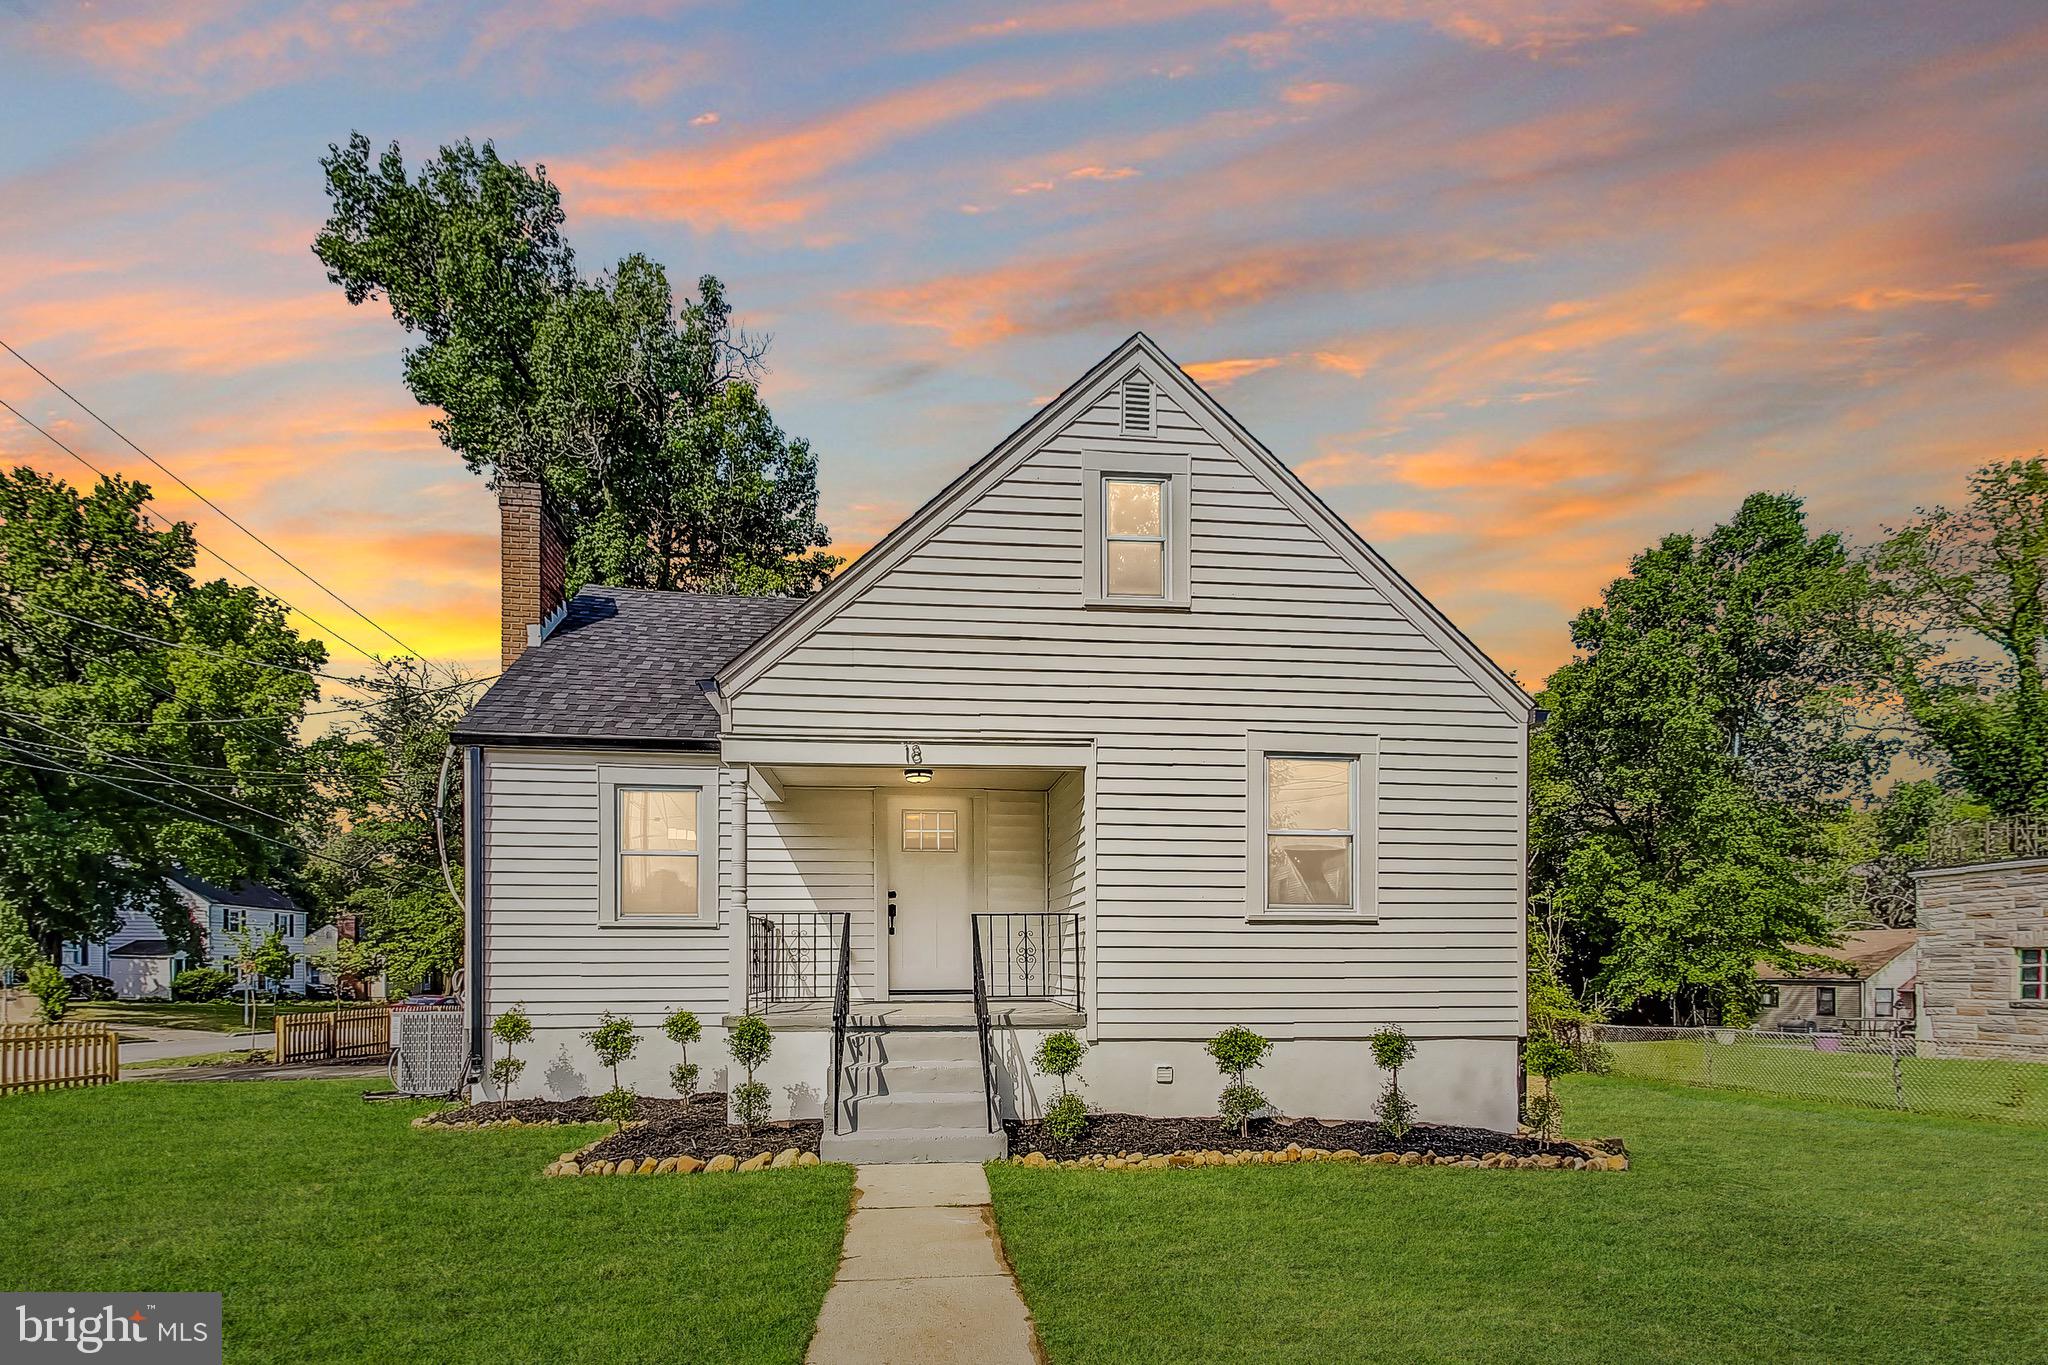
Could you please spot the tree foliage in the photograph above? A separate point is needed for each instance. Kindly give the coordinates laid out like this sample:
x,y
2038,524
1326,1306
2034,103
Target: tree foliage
x,y
640,414
1699,743
381,775
1962,628
122,757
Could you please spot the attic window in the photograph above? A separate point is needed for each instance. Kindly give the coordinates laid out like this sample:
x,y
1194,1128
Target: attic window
x,y
1137,406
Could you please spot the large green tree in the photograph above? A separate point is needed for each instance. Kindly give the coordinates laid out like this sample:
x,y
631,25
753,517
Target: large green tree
x,y
1699,745
638,412
1962,629
381,858
146,720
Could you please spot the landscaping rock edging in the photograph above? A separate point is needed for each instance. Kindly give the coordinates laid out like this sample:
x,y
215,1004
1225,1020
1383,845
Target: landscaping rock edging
x,y
1609,1157
571,1163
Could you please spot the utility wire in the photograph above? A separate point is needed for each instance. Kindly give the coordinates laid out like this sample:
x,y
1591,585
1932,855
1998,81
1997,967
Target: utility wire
x,y
364,683
209,501
232,567
175,781
203,819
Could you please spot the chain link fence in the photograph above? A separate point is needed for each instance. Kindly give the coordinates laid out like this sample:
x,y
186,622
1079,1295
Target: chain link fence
x,y
2005,1082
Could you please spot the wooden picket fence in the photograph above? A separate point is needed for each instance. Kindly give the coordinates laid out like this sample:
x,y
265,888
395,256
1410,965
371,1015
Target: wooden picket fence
x,y
353,1033
57,1056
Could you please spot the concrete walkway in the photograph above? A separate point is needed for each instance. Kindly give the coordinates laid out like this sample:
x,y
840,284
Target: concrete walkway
x,y
922,1280
143,1044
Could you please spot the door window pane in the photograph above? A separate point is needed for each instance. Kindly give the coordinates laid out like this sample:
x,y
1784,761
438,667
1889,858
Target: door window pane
x,y
658,884
1137,568
658,820
1309,870
1308,793
1134,507
931,831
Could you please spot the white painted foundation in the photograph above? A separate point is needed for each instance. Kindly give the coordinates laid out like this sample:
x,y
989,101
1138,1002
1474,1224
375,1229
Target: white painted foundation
x,y
1468,1081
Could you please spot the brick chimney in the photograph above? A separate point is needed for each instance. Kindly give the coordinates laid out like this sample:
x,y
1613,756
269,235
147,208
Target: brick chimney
x,y
533,564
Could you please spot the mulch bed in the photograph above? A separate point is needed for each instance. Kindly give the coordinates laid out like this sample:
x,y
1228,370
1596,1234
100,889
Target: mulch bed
x,y
582,1109
704,1135
1115,1134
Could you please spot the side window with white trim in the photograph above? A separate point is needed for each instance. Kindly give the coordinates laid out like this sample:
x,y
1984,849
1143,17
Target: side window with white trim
x,y
658,831
1135,528
1310,832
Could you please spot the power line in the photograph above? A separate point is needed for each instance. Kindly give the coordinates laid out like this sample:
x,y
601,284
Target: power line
x,y
232,567
210,502
157,763
203,819
200,649
175,781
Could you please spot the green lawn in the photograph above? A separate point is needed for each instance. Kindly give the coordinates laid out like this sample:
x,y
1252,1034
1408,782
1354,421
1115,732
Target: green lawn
x,y
336,1232
1962,1087
219,1016
1748,1228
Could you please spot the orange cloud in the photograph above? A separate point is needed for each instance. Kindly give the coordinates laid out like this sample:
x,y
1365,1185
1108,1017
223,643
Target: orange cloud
x,y
1218,374
184,328
1399,523
779,180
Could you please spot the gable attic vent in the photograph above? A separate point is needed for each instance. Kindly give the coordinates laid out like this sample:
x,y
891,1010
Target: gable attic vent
x,y
1137,406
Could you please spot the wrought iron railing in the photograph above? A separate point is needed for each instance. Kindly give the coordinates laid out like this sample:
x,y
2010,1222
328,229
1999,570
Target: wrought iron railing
x,y
795,956
2005,838
981,1029
1034,955
842,997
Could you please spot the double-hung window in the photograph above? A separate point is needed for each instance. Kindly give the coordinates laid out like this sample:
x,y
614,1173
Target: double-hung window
x,y
1134,528
233,918
657,829
1770,997
2033,973
1824,1002
1887,1002
1311,838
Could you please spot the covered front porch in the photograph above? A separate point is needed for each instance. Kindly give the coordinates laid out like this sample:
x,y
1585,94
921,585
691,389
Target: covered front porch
x,y
947,887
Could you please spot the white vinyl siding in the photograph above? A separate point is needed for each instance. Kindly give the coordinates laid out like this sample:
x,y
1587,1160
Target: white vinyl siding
x,y
985,633
815,850
542,861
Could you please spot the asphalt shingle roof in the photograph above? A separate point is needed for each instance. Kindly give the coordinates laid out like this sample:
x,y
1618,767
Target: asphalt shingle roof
x,y
247,894
625,667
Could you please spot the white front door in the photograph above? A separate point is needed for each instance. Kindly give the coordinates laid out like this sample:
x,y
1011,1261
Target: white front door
x,y
930,890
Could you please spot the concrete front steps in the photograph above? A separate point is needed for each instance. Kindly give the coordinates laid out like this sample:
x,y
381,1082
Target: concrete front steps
x,y
912,1094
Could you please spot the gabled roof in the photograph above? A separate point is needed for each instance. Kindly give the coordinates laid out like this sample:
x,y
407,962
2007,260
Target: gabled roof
x,y
1867,952
1139,352
626,667
143,947
244,894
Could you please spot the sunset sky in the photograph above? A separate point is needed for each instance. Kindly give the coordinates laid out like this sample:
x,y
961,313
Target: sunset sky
x,y
1517,285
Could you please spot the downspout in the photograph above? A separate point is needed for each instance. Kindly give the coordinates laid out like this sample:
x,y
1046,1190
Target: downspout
x,y
473,887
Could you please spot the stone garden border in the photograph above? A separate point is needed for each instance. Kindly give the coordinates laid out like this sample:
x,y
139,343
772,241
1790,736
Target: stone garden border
x,y
570,1163
1610,1155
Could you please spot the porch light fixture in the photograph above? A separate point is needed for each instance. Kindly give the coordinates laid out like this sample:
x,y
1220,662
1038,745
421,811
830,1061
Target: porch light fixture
x,y
917,776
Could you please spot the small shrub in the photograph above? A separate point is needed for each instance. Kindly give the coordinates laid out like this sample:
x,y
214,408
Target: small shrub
x,y
613,1040
1393,1049
1544,1116
85,986
510,1028
201,983
1066,1118
52,992
683,1029
616,1105
1545,1056
750,1041
1236,1051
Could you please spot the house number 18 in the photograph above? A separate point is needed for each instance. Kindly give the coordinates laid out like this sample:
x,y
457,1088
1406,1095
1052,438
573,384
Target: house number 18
x,y
913,753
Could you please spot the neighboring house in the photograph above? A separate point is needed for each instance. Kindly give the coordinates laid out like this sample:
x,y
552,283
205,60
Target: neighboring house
x,y
1125,724
141,962
1876,988
1984,952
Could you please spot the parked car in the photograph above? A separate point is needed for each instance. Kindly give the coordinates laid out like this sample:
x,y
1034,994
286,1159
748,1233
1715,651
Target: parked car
x,y
87,987
318,991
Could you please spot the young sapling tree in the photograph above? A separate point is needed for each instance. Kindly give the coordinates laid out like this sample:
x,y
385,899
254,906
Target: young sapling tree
x,y
510,1028
683,1029
750,1041
1391,1050
1059,1055
613,1040
1236,1051
1546,1057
